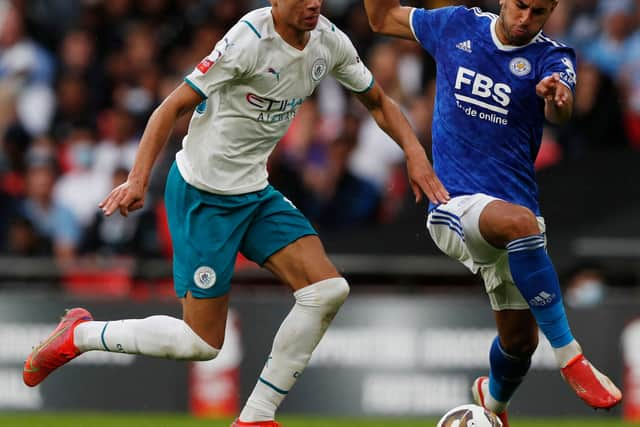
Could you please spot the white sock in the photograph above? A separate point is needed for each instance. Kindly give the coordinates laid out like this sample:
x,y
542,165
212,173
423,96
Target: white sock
x,y
567,353
159,336
316,306
490,403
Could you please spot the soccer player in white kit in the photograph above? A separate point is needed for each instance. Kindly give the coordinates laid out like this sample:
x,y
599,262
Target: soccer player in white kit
x,y
219,201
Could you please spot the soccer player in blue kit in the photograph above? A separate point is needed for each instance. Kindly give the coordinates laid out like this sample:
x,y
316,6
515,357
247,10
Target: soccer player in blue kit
x,y
498,78
242,98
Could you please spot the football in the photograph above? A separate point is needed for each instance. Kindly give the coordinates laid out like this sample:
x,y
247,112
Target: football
x,y
469,416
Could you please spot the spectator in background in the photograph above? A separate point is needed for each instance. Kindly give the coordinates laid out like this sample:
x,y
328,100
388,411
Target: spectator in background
x,y
51,220
72,96
119,235
376,158
78,59
80,186
586,288
609,50
629,78
26,72
23,239
597,121
337,198
120,143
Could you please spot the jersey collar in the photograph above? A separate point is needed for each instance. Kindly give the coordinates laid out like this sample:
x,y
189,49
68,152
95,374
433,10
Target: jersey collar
x,y
507,47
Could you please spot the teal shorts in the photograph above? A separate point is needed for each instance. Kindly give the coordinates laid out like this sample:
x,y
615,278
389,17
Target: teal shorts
x,y
208,230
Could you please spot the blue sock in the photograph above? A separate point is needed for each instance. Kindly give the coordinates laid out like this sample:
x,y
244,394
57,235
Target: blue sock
x,y
538,283
507,372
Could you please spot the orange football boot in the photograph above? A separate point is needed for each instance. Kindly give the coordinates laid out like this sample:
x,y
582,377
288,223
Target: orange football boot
x,y
56,350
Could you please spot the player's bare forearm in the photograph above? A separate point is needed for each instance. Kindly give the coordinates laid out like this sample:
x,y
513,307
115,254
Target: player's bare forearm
x,y
158,129
388,17
129,196
558,99
388,116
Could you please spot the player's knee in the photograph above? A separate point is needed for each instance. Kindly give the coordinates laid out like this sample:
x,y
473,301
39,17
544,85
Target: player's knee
x,y
187,345
521,346
520,223
334,292
329,294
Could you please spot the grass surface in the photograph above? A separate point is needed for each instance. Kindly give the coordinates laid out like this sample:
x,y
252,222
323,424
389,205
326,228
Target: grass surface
x,y
171,420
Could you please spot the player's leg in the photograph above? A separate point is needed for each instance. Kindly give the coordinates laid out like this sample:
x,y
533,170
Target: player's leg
x,y
509,360
287,245
159,336
198,336
516,228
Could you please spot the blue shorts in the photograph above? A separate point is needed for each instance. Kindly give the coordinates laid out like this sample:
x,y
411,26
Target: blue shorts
x,y
208,230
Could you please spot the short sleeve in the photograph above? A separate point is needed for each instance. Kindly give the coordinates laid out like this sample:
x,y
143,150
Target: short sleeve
x,y
562,61
224,64
349,69
428,26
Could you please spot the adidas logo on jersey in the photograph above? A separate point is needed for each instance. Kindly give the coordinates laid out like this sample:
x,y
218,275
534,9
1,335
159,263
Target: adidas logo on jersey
x,y
465,45
542,299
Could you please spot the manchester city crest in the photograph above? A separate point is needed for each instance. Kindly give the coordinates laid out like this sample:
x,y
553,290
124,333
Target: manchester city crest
x,y
520,66
318,69
204,277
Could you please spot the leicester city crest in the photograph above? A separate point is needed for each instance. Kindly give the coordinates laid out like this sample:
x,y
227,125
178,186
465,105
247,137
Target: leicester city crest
x,y
318,69
520,66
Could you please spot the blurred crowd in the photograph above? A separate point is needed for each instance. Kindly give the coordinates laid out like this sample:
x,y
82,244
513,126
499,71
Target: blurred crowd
x,y
79,78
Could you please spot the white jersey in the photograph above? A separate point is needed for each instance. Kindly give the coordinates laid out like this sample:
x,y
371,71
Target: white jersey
x,y
253,83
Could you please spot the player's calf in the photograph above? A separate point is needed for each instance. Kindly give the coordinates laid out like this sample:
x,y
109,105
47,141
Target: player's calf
x,y
315,307
157,336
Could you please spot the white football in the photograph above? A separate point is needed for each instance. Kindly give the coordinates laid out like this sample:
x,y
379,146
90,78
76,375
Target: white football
x,y
469,416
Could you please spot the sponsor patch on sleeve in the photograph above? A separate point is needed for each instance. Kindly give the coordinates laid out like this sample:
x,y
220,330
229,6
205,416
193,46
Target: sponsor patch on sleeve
x,y
205,64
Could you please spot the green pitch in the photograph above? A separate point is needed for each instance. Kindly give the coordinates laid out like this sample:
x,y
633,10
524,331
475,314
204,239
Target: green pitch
x,y
160,420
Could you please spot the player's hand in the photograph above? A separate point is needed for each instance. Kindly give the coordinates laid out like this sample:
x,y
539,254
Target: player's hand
x,y
424,180
551,89
126,197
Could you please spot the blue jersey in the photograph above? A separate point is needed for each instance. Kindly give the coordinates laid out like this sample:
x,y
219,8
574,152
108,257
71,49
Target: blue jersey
x,y
488,120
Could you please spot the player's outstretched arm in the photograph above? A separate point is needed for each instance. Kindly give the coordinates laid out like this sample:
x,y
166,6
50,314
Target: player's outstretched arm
x,y
388,17
129,196
387,114
558,99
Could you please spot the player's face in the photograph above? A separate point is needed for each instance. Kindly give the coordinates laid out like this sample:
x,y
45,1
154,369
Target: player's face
x,y
301,15
521,20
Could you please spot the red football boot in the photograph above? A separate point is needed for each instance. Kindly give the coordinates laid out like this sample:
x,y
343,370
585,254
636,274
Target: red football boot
x,y
56,350
591,385
238,423
479,388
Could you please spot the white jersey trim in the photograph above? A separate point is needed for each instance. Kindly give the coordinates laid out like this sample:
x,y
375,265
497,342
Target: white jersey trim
x,y
506,47
413,30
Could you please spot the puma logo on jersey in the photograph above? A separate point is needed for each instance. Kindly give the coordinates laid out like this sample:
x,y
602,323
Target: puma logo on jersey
x,y
485,92
273,71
